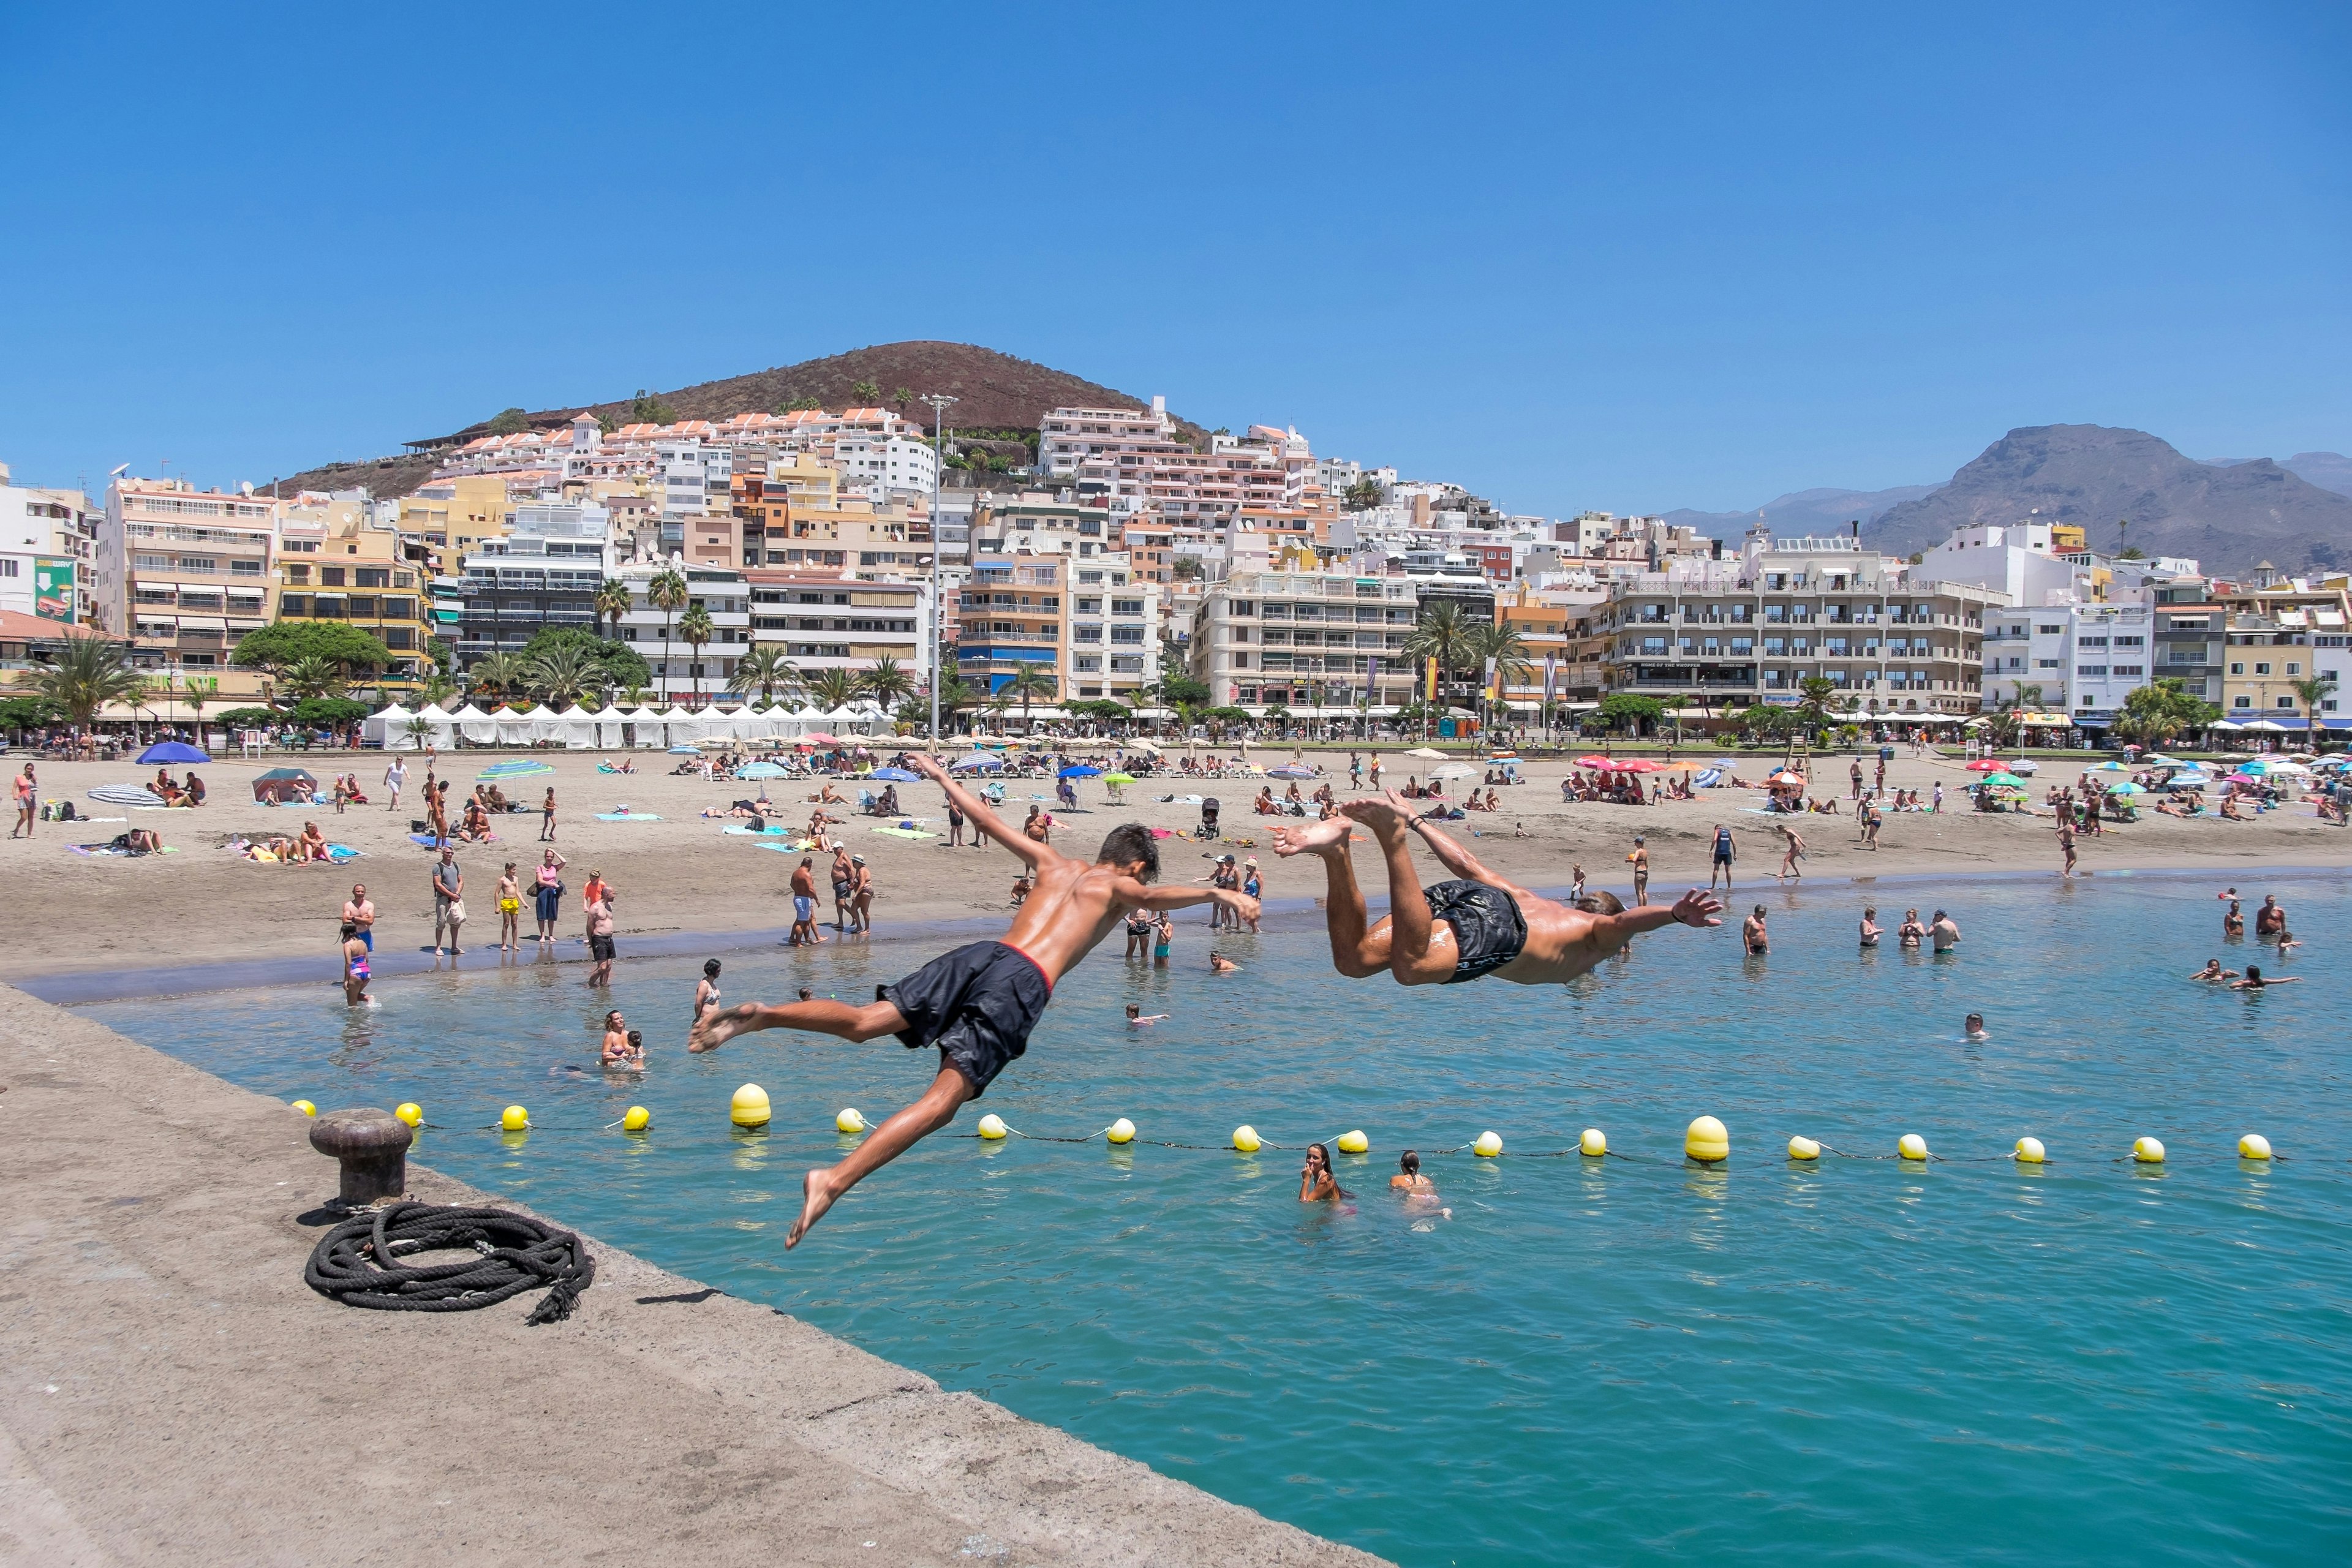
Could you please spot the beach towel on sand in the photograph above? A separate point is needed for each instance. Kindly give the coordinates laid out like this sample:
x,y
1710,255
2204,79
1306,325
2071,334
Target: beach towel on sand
x,y
627,816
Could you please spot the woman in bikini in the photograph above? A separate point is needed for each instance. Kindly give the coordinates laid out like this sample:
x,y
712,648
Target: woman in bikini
x,y
1409,1178
510,910
547,888
1910,933
355,966
1315,1182
706,990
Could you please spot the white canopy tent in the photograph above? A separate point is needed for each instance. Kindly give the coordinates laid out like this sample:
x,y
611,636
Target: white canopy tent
x,y
475,725
513,728
389,730
680,727
438,726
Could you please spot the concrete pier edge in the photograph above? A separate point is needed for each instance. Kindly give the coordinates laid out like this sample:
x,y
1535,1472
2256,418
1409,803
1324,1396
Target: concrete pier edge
x,y
173,1392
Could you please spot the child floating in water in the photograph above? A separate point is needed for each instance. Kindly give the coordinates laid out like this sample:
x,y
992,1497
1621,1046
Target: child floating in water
x,y
1467,929
978,1004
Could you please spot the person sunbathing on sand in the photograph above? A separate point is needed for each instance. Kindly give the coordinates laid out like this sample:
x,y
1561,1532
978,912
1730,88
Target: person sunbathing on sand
x,y
1467,929
978,1004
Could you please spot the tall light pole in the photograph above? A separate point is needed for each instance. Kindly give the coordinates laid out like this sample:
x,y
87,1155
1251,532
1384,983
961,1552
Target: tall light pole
x,y
939,402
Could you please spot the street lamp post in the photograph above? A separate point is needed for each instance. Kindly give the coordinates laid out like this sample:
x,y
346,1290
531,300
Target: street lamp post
x,y
939,402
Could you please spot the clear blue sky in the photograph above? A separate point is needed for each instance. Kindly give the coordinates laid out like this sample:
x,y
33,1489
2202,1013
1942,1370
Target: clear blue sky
x,y
1608,256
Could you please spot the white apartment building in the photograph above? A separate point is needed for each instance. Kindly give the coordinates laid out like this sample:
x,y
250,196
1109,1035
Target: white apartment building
x,y
886,464
48,548
1066,437
544,571
184,573
1113,628
681,672
1290,638
826,621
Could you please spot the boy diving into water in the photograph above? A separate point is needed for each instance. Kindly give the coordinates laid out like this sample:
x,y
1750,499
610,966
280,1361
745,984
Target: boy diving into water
x,y
1467,929
978,1004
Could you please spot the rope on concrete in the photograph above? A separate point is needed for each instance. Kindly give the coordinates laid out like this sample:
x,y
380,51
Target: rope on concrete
x,y
353,1262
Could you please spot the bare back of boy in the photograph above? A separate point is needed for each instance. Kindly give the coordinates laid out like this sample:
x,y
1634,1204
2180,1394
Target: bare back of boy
x,y
978,1003
1477,924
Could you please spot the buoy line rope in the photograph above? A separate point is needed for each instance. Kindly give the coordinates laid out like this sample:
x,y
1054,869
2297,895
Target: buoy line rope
x,y
353,1262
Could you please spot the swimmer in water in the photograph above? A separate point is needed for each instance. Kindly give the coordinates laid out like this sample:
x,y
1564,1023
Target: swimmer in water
x,y
1315,1182
1220,965
1476,925
977,1004
2254,981
616,1039
1409,1178
2213,971
1974,1026
1137,1018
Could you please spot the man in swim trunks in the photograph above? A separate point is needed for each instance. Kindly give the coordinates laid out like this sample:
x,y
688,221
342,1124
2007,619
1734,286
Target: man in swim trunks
x,y
978,1004
1467,929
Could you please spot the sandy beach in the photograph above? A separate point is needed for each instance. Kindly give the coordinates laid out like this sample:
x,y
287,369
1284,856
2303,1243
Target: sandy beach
x,y
683,873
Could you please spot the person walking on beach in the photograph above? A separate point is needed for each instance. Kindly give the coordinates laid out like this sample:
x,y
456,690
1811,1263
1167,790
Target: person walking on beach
x,y
448,900
1372,773
955,829
1870,819
804,933
976,1005
1792,851
1856,771
28,807
1354,772
436,812
1726,852
1476,925
547,816
359,913
2066,846
395,775
547,892
510,910
1641,859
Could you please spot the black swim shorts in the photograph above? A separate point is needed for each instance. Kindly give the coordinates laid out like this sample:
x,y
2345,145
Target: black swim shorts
x,y
600,948
1488,929
977,1004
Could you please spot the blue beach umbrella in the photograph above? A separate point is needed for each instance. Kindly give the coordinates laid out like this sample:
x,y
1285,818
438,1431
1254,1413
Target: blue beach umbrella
x,y
686,751
894,776
1300,770
513,770
975,763
1080,771
163,751
759,771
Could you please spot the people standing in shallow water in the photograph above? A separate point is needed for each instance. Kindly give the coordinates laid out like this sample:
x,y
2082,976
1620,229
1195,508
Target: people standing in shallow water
x,y
356,971
1910,933
977,1004
1871,929
1752,934
706,990
1477,925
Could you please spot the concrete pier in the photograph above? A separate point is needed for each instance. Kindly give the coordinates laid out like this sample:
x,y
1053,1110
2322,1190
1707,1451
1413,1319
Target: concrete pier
x,y
172,1392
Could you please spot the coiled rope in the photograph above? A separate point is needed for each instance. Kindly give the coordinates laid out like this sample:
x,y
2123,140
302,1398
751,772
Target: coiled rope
x,y
353,1262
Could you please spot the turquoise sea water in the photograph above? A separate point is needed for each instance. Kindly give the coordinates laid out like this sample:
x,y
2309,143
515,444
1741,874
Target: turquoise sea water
x,y
1624,1361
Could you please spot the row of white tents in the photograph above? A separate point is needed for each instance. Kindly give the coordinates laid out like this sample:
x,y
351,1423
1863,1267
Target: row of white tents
x,y
612,729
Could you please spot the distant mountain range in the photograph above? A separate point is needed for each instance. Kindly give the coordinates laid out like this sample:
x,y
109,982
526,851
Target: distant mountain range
x,y
2229,514
992,392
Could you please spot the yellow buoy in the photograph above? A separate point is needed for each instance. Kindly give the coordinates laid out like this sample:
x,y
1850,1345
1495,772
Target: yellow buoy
x,y
410,1112
2030,1151
1707,1139
1354,1143
1911,1146
849,1120
1593,1142
514,1119
305,1107
2253,1146
991,1126
750,1107
636,1119
2147,1151
1120,1131
1803,1148
1245,1139
1488,1146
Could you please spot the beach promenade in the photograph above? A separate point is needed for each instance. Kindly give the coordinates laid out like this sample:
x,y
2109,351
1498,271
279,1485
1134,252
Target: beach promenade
x,y
174,1394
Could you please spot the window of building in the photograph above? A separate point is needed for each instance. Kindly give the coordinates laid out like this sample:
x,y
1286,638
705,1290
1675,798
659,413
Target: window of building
x,y
2236,669
2262,669
2287,703
2294,667
2058,630
2241,701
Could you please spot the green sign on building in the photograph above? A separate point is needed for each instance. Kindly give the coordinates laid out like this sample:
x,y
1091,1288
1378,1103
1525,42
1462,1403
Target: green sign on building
x,y
53,588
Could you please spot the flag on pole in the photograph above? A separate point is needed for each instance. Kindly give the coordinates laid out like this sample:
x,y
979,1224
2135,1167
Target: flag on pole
x,y
1430,679
1551,677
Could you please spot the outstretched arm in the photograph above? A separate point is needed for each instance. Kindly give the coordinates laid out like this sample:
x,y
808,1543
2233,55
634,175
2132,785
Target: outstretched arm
x,y
1140,895
983,820
1609,932
1456,860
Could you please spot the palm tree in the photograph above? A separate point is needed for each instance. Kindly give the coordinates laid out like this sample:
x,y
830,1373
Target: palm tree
x,y
1444,634
887,681
696,627
667,592
1031,680
611,603
90,672
635,697
565,674
436,689
765,670
196,690
498,674
831,689
956,694
312,676
2310,692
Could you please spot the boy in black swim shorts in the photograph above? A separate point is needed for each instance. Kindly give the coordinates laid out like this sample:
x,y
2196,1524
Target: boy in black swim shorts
x,y
978,1004
1467,929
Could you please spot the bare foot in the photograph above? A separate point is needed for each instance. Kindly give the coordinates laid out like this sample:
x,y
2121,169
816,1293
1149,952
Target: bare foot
x,y
715,1028
817,1197
1315,837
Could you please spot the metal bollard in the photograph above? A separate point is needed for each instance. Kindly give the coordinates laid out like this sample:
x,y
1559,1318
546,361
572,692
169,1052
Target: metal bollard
x,y
373,1146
